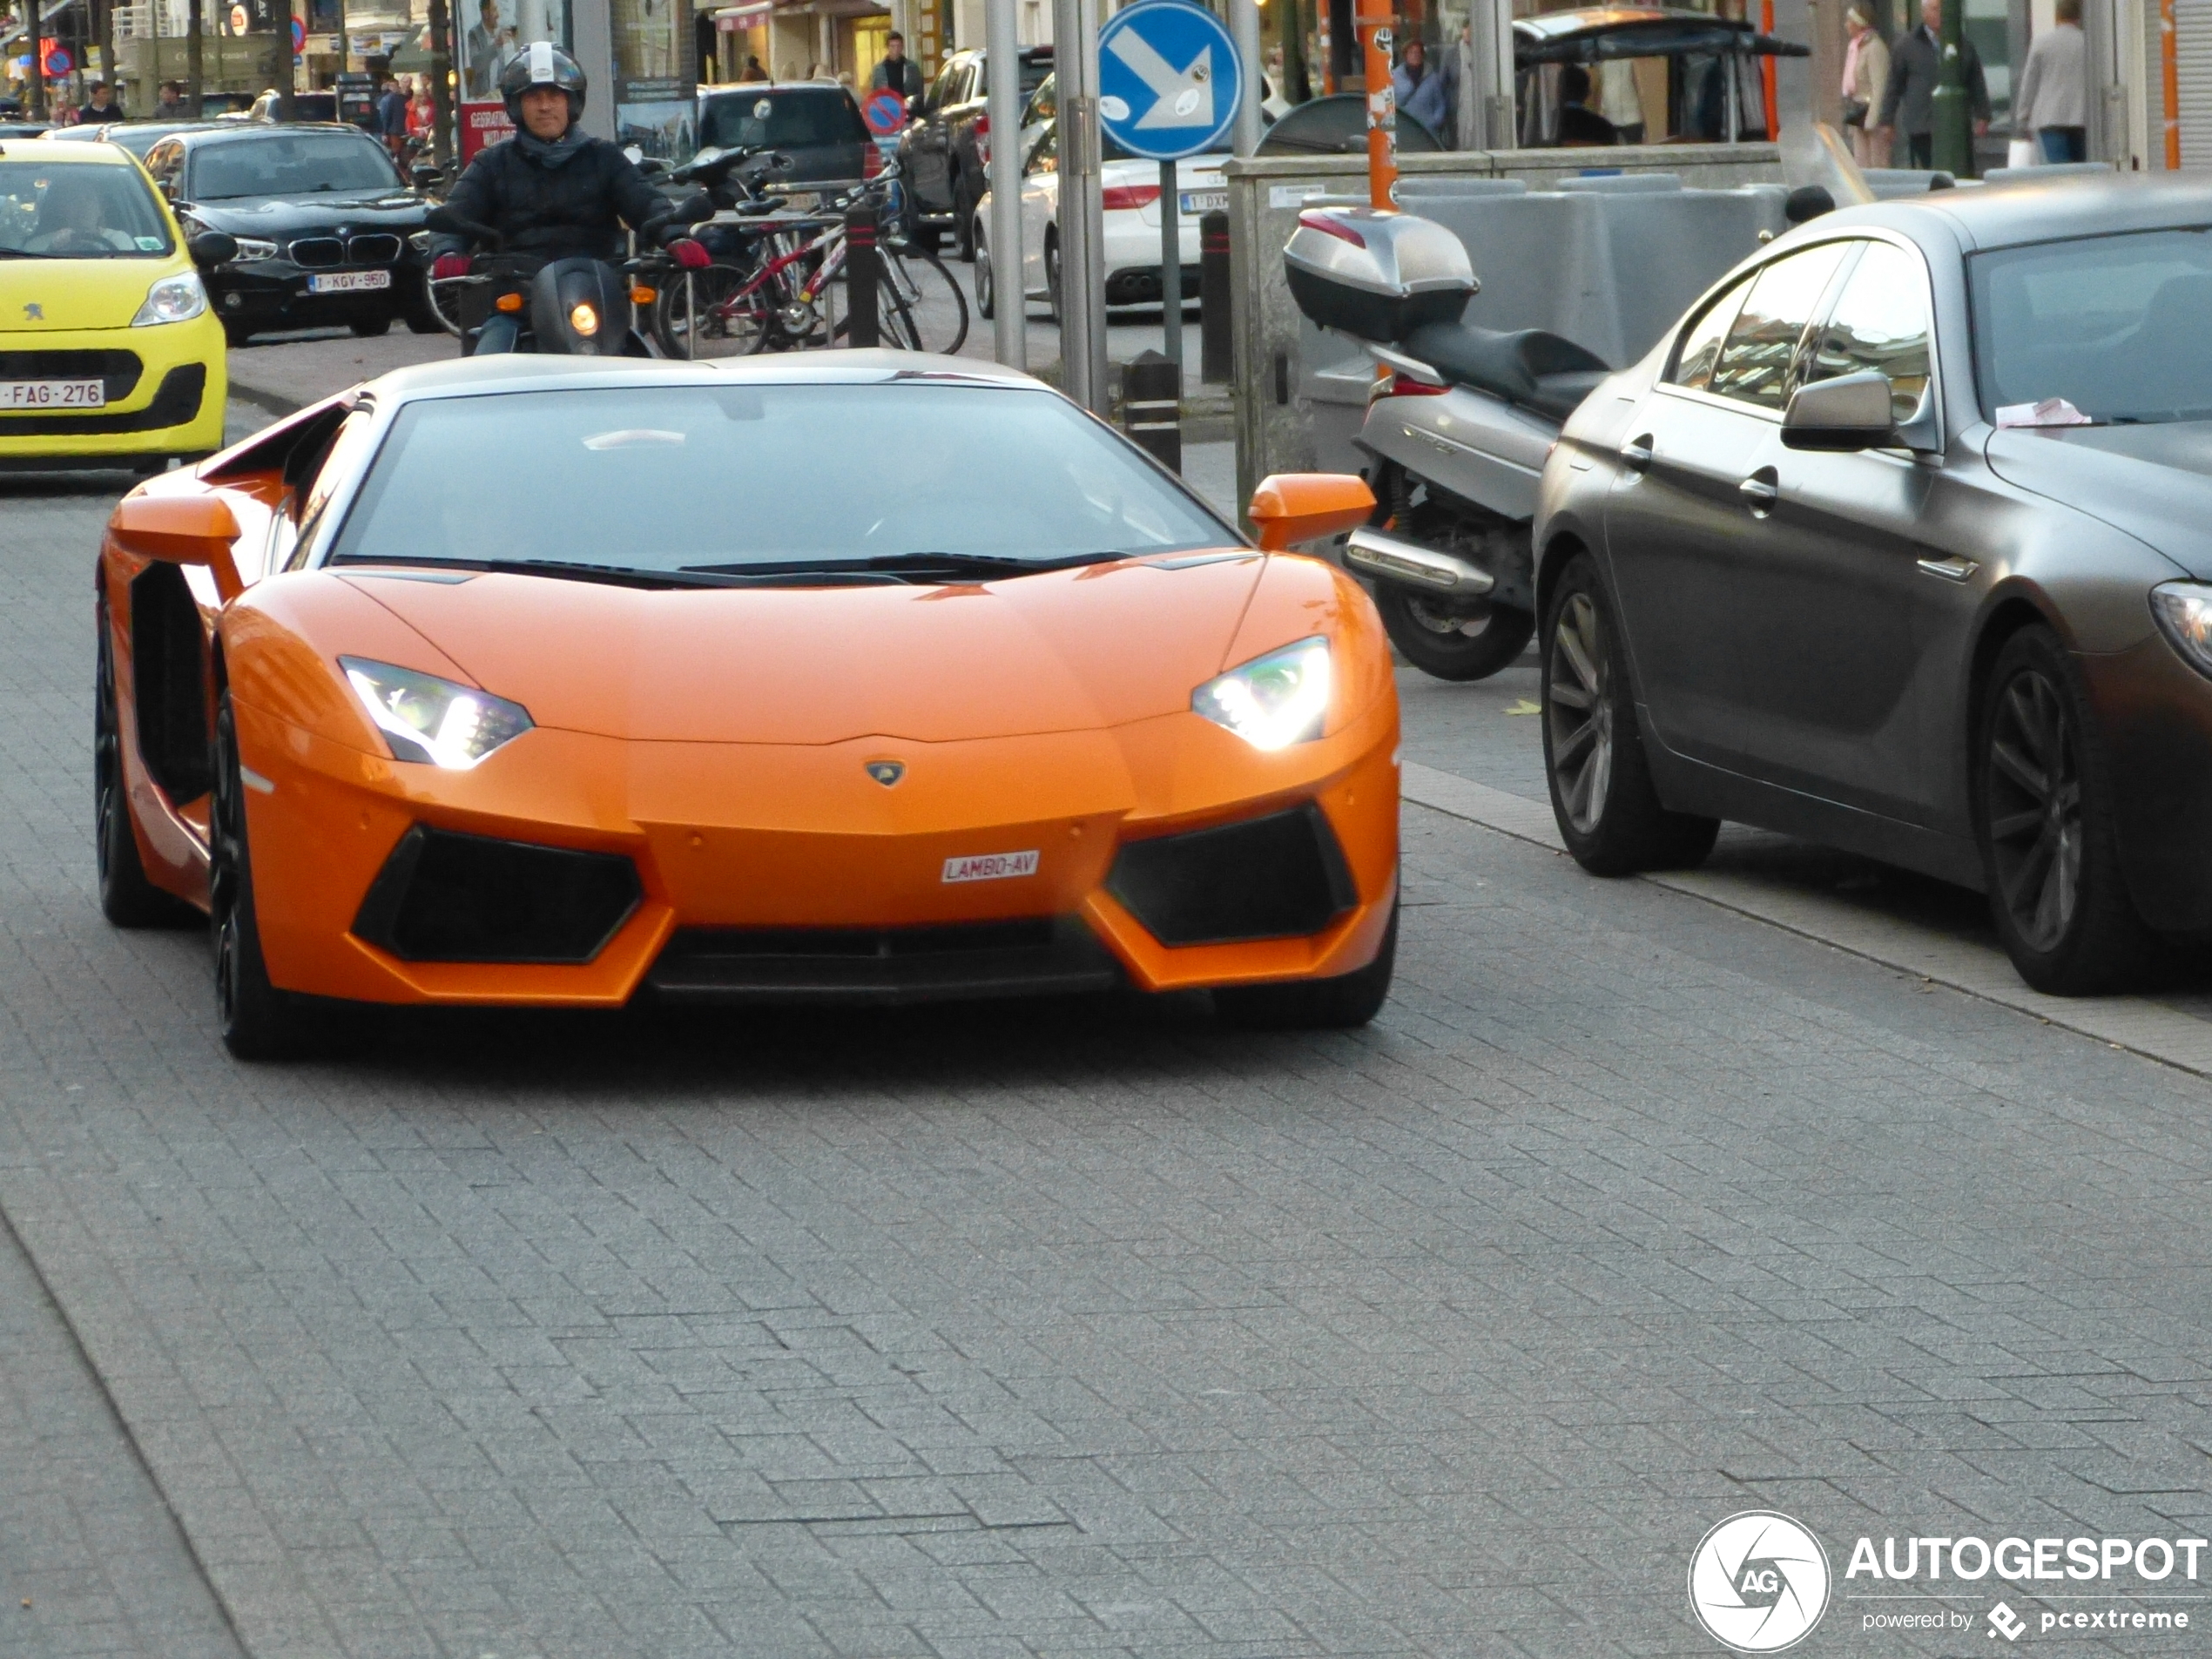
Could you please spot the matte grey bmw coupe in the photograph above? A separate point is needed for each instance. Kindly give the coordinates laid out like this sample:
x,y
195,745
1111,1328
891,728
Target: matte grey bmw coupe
x,y
1901,541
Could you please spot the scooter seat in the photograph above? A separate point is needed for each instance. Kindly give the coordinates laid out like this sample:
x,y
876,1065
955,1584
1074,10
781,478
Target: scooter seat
x,y
1537,369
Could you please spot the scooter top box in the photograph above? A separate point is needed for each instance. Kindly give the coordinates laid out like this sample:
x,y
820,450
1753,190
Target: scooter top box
x,y
1376,275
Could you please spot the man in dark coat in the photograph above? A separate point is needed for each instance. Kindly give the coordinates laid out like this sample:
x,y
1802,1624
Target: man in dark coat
x,y
1909,99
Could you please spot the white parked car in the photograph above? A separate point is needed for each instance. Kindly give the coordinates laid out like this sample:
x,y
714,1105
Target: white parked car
x,y
1131,190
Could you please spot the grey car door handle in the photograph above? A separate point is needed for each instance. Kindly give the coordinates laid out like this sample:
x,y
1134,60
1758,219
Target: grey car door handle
x,y
1635,454
1760,490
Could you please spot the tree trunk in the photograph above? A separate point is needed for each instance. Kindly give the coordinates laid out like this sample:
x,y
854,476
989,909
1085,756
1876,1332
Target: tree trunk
x,y
194,37
441,134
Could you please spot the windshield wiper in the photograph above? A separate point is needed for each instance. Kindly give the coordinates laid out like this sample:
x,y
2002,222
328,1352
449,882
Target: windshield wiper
x,y
916,564
622,576
25,253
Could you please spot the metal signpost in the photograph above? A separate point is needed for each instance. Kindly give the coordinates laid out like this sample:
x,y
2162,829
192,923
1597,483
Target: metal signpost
x,y
1169,83
1002,93
1081,279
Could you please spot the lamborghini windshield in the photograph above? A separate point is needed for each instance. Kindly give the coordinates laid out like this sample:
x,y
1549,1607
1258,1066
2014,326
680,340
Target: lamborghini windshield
x,y
750,481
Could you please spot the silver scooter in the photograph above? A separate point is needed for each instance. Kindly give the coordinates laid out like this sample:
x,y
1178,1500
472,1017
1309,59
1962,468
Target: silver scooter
x,y
1458,429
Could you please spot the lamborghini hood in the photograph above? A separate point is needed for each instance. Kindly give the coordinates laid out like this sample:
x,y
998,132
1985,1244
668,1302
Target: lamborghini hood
x,y
1059,651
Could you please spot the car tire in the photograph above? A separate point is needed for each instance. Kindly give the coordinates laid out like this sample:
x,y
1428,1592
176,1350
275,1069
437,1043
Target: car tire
x,y
371,328
1338,1004
1608,810
237,334
986,297
256,1021
926,236
128,897
2048,830
964,203
1052,275
421,320
1464,642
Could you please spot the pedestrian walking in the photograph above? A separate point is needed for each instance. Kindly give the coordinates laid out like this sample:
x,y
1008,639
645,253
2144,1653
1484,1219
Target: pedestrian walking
x,y
170,107
391,117
2054,103
1419,90
1908,96
100,106
1866,73
897,72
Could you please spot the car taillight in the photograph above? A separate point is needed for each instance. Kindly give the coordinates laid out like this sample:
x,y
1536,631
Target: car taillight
x,y
1127,199
1330,226
982,131
871,161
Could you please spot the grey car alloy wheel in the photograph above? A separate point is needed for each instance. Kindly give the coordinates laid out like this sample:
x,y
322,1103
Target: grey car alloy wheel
x,y
2035,827
1579,713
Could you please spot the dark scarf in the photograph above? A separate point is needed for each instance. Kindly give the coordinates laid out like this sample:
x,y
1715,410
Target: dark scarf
x,y
556,155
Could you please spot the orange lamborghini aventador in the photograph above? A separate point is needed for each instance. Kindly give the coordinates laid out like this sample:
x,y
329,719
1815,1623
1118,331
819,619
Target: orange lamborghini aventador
x,y
559,682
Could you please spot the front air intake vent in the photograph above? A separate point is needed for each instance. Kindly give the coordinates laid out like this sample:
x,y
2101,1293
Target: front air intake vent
x,y
442,897
1279,877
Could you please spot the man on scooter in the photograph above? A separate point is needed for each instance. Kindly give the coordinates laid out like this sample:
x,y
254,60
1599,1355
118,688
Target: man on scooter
x,y
552,191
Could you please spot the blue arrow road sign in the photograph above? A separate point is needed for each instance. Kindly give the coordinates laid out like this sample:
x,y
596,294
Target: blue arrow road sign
x,y
1168,79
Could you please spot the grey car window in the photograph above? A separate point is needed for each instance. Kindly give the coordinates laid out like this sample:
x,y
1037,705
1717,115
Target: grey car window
x,y
1701,342
1880,321
1758,358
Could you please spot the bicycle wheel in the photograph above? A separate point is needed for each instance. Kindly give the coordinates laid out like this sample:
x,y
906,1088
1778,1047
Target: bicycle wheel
x,y
919,307
442,301
710,314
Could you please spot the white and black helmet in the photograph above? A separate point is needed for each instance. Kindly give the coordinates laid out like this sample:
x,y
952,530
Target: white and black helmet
x,y
542,63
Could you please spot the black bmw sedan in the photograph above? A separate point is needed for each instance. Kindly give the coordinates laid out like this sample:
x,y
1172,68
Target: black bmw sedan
x,y
1901,541
323,222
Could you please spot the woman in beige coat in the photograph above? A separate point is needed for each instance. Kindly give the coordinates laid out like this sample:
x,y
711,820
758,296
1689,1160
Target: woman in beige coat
x,y
1866,68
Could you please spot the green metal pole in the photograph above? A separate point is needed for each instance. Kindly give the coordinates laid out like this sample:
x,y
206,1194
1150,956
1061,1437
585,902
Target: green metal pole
x,y
1953,132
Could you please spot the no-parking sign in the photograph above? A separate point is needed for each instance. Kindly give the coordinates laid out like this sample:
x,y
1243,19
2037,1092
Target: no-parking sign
x,y
58,61
884,112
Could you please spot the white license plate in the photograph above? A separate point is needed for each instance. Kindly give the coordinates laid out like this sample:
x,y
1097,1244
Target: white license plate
x,y
53,395
1205,201
990,867
349,282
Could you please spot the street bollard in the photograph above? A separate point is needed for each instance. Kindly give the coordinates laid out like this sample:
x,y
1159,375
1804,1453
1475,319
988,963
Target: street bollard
x,y
1152,406
860,276
1216,349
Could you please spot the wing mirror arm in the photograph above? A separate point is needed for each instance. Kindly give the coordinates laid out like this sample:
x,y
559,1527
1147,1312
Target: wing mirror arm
x,y
181,529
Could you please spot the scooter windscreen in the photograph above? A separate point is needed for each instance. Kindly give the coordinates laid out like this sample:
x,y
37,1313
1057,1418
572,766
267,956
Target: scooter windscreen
x,y
581,309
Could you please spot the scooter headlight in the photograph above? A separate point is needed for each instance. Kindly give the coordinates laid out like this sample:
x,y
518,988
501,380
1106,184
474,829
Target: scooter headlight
x,y
1272,701
584,317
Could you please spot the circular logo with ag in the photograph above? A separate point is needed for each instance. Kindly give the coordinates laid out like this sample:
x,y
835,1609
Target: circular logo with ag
x,y
1758,1582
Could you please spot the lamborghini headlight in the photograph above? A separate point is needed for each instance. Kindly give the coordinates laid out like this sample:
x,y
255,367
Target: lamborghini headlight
x,y
1272,701
426,718
174,299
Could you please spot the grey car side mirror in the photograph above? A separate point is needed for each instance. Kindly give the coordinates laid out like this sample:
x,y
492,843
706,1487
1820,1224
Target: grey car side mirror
x,y
1850,412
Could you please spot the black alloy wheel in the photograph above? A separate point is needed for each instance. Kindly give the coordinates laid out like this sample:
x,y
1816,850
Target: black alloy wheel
x,y
1338,1004
2043,812
1453,639
1609,811
256,1021
128,899
964,204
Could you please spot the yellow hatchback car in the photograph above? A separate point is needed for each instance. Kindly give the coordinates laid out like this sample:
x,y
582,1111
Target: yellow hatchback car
x,y
109,355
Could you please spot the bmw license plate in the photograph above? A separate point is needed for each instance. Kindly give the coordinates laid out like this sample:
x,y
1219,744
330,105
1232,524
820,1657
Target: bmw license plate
x,y
1205,201
349,282
53,395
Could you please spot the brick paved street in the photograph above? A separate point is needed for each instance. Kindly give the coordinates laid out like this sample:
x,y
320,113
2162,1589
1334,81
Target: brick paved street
x,y
1073,1330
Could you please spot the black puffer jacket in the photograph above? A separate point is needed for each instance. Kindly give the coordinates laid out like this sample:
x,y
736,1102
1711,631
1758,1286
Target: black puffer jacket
x,y
555,201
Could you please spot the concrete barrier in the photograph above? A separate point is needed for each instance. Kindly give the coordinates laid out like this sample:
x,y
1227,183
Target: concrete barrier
x,y
1603,245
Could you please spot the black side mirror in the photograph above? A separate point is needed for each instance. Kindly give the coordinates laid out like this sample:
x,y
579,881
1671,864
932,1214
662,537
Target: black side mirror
x,y
423,175
212,247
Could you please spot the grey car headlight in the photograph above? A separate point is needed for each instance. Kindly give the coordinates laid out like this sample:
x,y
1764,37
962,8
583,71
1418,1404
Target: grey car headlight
x,y
2183,610
174,299
1272,701
428,719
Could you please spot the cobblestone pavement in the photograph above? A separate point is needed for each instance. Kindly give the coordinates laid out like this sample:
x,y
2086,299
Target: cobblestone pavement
x,y
1064,1330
